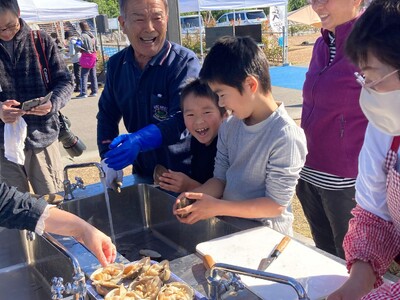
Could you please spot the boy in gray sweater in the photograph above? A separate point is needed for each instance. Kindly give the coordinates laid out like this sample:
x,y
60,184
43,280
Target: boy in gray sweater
x,y
260,149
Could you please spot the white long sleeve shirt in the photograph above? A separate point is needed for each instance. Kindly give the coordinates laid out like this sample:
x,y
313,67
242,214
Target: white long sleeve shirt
x,y
371,180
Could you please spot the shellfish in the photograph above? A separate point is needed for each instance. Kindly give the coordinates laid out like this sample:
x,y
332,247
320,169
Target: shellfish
x,y
175,291
107,278
160,269
134,269
146,288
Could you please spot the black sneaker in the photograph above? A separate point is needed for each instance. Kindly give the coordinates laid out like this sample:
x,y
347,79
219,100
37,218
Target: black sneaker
x,y
93,95
80,96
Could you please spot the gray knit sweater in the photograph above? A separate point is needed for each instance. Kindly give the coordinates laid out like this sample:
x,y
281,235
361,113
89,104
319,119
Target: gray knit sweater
x,y
262,160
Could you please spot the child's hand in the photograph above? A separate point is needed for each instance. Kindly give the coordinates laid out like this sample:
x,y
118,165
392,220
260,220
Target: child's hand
x,y
205,207
176,182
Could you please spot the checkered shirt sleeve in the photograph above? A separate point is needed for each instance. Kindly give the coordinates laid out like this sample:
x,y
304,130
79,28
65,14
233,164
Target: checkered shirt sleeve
x,y
371,239
384,292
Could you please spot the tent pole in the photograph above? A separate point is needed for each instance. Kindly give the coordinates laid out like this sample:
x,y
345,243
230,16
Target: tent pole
x,y
201,37
285,38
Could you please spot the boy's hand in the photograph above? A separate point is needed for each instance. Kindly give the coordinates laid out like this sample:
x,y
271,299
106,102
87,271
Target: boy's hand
x,y
204,208
176,182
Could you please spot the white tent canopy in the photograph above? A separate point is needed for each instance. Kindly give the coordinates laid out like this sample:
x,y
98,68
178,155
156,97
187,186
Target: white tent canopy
x,y
202,5
46,11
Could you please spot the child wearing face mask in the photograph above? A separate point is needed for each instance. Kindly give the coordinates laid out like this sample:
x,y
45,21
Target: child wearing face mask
x,y
202,117
373,238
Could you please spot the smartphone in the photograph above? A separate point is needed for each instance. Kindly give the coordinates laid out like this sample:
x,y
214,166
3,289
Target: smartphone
x,y
28,105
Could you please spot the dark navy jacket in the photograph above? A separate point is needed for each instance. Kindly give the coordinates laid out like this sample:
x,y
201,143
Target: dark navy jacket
x,y
19,210
149,96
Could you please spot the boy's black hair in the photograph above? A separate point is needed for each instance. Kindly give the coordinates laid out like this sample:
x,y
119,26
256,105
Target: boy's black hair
x,y
9,5
200,89
232,59
377,31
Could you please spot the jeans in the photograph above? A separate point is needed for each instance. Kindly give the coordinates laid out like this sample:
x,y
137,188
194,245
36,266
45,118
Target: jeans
x,y
91,73
328,214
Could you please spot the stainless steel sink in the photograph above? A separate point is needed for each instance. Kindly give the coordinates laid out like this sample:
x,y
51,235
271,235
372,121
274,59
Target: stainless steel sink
x,y
142,219
27,266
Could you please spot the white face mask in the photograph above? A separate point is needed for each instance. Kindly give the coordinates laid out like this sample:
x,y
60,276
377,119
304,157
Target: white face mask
x,y
382,109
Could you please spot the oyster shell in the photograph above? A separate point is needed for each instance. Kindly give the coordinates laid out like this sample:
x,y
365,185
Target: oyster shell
x,y
147,288
134,269
107,278
183,202
160,269
175,291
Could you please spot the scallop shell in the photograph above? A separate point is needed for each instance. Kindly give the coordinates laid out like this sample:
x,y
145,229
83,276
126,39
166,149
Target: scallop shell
x,y
160,269
147,288
134,269
175,291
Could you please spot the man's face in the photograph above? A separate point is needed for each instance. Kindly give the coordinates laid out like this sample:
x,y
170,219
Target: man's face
x,y
9,26
145,24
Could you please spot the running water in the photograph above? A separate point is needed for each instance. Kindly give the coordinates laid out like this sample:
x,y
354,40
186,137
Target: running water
x,y
110,220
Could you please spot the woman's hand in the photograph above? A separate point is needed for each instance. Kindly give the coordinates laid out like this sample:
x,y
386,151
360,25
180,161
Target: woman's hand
x,y
99,244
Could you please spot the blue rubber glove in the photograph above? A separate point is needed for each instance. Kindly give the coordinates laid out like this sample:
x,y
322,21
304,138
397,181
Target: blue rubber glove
x,y
125,148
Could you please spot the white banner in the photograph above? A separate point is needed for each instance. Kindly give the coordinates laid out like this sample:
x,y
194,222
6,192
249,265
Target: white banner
x,y
277,18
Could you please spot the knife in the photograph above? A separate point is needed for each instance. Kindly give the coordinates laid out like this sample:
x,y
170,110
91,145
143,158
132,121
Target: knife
x,y
266,261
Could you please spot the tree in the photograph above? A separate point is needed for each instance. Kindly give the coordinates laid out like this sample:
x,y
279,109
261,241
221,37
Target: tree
x,y
296,4
107,7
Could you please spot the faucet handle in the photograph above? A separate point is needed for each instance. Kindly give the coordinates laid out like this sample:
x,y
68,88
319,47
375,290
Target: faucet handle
x,y
79,183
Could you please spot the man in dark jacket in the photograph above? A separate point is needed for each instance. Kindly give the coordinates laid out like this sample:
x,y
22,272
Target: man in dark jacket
x,y
143,88
21,79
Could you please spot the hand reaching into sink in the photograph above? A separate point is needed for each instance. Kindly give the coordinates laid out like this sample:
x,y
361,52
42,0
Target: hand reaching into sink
x,y
22,211
64,223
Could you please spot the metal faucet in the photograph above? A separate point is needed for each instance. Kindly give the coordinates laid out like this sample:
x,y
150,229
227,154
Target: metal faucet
x,y
78,286
70,187
224,280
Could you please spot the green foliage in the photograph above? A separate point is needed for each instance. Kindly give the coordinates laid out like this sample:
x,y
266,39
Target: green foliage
x,y
296,4
107,7
192,42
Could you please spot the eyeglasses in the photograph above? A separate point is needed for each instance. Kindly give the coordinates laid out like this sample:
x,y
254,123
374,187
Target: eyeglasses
x,y
313,2
10,28
361,79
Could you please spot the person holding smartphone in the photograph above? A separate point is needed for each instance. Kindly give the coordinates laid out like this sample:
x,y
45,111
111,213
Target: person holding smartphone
x,y
21,80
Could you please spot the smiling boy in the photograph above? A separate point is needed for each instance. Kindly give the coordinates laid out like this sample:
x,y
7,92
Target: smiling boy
x,y
202,117
260,149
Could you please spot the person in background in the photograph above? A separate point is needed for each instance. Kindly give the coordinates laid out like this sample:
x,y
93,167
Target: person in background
x,y
74,53
202,117
56,40
88,45
334,126
373,238
143,88
21,211
21,79
260,149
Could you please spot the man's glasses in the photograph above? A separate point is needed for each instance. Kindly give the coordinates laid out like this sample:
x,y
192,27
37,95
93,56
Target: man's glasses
x,y
10,28
313,2
361,79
